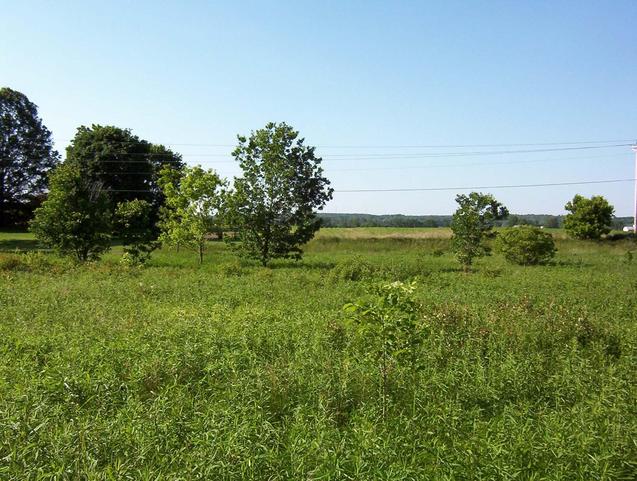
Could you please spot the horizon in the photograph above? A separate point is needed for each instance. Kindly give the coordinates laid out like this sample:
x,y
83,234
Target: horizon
x,y
396,96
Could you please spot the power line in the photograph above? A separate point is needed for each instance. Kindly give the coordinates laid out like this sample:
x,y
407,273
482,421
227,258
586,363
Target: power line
x,y
428,189
511,186
416,167
393,146
375,156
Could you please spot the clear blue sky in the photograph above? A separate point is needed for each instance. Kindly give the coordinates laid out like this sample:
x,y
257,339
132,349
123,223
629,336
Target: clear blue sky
x,y
349,74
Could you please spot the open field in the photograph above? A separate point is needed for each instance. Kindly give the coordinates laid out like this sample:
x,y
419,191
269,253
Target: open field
x,y
233,371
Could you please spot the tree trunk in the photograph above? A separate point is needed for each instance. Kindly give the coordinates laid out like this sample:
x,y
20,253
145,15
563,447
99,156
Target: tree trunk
x,y
201,252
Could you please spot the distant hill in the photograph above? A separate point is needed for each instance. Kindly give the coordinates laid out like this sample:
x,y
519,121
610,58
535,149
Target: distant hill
x,y
400,220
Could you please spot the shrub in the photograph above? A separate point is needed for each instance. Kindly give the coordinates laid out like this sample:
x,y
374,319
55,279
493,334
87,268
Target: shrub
x,y
135,229
74,220
354,269
588,218
391,329
526,245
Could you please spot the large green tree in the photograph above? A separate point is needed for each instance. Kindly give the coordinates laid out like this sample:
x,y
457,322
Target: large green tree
x,y
472,224
588,218
128,167
273,205
26,156
75,219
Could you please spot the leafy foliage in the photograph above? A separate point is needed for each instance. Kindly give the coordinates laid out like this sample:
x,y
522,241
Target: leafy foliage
x,y
193,199
472,224
26,155
588,218
273,203
526,245
75,219
127,166
134,228
390,328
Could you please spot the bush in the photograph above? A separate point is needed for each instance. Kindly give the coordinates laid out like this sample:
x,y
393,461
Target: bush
x,y
526,245
354,269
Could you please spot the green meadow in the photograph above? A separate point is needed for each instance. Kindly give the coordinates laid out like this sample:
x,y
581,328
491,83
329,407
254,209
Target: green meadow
x,y
229,371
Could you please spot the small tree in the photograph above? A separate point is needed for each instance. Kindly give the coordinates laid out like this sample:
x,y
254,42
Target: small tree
x,y
588,218
193,199
526,245
472,224
75,219
134,228
390,329
273,204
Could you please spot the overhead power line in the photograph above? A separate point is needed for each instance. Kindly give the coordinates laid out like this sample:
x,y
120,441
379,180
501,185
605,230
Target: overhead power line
x,y
149,156
510,186
427,189
393,146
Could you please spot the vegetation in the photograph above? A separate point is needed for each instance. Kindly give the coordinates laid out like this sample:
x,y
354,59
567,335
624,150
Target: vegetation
x,y
472,223
126,166
193,201
75,218
133,226
273,204
232,371
26,156
526,245
588,218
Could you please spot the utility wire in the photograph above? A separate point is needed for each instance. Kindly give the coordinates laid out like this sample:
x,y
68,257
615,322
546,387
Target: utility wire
x,y
427,189
395,146
416,167
376,156
511,186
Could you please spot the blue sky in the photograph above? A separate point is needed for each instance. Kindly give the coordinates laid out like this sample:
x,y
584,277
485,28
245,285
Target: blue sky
x,y
351,77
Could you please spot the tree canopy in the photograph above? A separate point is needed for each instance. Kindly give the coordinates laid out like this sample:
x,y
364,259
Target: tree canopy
x,y
588,218
26,156
193,200
127,166
75,219
472,223
273,203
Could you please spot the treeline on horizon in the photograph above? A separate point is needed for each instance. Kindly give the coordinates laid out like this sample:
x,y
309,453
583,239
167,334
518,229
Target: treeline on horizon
x,y
400,220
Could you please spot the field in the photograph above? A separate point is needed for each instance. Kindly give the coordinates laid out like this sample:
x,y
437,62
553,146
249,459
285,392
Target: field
x,y
233,371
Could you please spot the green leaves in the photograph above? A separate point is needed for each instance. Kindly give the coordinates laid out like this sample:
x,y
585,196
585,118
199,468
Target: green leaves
x,y
588,218
26,155
472,223
193,200
75,219
526,245
273,203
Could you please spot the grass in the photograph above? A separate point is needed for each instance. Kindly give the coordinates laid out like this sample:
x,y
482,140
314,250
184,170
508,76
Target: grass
x,y
232,371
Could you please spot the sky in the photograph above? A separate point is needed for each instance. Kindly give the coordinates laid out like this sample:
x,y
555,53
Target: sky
x,y
385,90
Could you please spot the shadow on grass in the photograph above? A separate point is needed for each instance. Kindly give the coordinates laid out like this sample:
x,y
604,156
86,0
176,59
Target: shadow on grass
x,y
302,265
11,245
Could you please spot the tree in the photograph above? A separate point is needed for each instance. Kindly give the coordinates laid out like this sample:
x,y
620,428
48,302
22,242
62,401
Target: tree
x,y
26,156
193,200
75,219
273,204
134,228
127,166
526,245
472,224
588,218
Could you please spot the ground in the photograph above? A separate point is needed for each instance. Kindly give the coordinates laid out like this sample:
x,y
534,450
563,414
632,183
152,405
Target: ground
x,y
233,371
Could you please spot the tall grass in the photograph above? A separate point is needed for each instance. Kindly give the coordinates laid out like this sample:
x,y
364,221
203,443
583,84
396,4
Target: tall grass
x,y
232,371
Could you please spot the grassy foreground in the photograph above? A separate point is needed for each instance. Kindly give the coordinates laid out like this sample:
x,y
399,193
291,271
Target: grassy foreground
x,y
232,371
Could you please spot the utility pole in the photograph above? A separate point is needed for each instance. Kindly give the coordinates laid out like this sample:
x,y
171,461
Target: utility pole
x,y
635,205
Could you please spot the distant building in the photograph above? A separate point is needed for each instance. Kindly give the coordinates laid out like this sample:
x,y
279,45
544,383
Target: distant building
x,y
628,228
